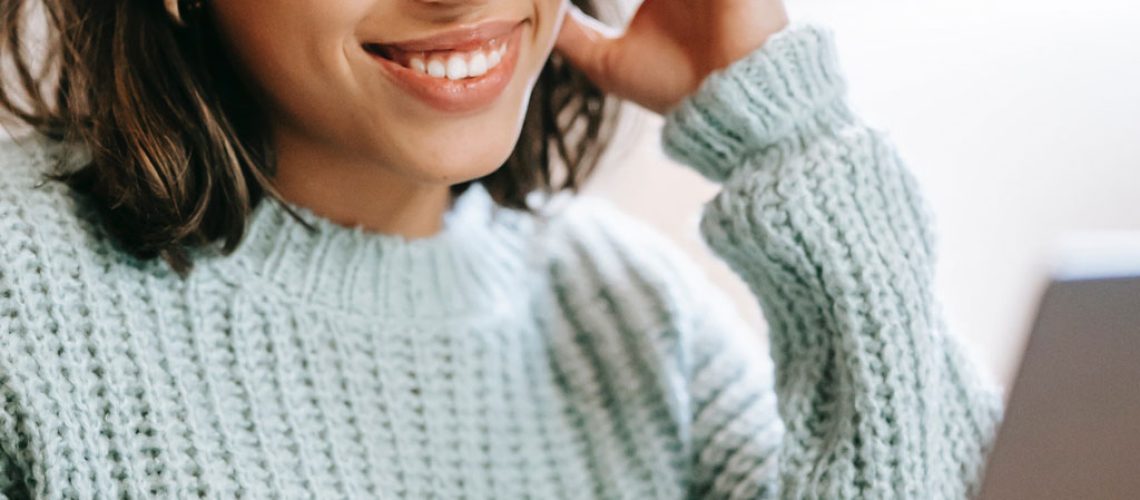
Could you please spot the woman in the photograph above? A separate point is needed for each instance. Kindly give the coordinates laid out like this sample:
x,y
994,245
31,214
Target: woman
x,y
300,248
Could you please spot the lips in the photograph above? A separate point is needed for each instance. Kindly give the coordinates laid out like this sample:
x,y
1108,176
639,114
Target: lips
x,y
450,64
457,71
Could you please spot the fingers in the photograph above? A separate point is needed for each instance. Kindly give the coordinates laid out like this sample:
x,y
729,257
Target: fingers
x,y
585,41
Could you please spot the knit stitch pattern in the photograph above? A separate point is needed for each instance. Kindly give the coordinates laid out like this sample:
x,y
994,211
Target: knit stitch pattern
x,y
575,354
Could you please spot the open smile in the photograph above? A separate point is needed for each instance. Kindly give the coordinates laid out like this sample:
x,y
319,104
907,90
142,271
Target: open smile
x,y
457,71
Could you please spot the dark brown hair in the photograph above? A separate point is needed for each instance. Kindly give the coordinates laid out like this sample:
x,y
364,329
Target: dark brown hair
x,y
179,153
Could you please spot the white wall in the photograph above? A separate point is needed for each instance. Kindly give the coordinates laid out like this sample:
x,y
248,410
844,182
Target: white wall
x,y
1021,119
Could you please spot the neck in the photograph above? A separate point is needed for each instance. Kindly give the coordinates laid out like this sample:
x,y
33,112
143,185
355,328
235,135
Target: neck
x,y
359,193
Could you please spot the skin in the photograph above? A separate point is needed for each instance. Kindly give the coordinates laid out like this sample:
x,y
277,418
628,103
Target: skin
x,y
343,155
692,38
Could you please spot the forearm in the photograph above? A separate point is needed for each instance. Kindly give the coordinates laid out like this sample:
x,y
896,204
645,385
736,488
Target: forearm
x,y
820,217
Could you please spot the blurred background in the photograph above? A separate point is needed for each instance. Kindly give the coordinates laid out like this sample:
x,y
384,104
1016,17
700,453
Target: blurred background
x,y
1020,118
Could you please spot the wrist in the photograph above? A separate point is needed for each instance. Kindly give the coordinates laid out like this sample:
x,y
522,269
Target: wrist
x,y
787,90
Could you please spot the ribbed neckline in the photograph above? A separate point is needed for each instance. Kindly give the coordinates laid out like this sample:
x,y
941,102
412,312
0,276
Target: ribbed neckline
x,y
472,266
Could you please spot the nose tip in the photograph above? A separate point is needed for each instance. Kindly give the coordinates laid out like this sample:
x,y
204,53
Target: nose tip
x,y
449,11
450,3
441,13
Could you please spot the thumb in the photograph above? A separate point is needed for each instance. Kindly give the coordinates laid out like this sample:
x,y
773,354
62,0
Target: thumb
x,y
586,42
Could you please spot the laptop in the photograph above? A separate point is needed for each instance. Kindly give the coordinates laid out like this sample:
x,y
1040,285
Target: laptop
x,y
1071,428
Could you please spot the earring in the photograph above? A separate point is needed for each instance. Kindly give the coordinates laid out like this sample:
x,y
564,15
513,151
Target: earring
x,y
178,9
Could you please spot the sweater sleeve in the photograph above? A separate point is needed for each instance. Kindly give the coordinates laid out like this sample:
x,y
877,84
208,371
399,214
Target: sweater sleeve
x,y
11,480
820,217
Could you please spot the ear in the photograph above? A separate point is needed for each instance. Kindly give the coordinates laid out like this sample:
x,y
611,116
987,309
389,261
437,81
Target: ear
x,y
586,42
172,8
181,10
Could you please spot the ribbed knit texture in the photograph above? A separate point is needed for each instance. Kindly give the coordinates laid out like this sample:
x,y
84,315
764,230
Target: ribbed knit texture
x,y
578,355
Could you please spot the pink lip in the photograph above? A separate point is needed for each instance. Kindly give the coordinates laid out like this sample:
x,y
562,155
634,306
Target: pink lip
x,y
456,96
458,39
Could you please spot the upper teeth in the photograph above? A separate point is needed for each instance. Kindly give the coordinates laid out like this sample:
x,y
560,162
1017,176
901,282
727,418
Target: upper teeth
x,y
457,65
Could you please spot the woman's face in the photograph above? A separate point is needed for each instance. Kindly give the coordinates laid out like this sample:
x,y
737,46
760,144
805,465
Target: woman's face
x,y
392,83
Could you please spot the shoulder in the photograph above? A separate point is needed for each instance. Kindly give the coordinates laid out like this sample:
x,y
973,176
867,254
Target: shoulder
x,y
24,163
595,243
606,265
37,212
26,189
48,234
32,206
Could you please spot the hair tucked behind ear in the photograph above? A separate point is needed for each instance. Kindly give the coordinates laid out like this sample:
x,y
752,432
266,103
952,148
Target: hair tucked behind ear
x,y
567,113
180,154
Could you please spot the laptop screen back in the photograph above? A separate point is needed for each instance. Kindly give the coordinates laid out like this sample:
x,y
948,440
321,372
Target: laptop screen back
x,y
1072,425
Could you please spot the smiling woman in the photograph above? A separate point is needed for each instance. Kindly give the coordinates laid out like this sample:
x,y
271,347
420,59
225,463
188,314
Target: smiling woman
x,y
288,249
299,81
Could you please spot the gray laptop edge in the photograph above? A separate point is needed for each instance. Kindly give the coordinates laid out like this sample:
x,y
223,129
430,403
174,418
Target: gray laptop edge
x,y
1071,428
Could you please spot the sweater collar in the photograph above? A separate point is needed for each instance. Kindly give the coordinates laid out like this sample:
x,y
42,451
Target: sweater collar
x,y
472,266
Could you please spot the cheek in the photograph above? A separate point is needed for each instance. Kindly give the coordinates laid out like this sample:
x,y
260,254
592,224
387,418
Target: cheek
x,y
289,50
549,14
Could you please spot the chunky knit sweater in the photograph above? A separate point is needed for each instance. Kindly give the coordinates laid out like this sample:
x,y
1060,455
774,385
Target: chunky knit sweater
x,y
569,354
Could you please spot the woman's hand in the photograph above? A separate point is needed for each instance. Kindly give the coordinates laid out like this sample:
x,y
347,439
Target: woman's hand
x,y
669,47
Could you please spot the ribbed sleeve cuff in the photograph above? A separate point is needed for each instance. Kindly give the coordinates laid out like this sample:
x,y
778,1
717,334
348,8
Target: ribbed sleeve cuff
x,y
789,87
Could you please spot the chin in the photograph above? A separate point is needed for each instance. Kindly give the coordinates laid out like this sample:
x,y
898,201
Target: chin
x,y
437,139
452,162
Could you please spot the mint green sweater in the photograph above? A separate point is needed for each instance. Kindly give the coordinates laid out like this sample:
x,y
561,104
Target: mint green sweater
x,y
569,355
